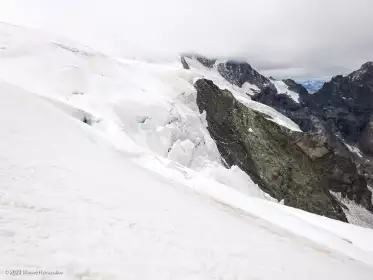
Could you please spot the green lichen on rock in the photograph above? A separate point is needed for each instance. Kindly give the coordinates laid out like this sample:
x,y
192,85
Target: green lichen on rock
x,y
272,155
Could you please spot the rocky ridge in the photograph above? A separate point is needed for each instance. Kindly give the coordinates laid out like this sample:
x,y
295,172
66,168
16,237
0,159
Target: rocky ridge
x,y
276,158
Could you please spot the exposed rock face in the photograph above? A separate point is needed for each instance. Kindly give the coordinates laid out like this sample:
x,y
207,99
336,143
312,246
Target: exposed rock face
x,y
238,73
363,76
289,166
275,157
366,139
365,167
184,63
346,103
300,114
339,164
335,161
343,106
293,86
207,62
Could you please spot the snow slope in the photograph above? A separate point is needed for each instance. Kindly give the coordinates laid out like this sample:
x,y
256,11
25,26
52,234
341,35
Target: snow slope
x,y
282,88
151,104
73,203
141,192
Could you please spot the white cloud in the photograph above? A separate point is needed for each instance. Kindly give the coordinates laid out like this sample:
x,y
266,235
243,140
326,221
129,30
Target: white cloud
x,y
303,38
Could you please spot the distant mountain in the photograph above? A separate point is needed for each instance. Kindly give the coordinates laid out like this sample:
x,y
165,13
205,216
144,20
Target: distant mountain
x,y
346,102
313,85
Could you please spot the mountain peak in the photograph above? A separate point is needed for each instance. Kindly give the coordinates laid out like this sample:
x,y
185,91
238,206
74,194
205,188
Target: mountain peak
x,y
367,66
364,75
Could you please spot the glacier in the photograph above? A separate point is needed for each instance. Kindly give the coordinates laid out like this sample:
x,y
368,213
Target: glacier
x,y
107,171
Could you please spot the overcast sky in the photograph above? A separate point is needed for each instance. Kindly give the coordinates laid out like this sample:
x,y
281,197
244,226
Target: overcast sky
x,y
284,38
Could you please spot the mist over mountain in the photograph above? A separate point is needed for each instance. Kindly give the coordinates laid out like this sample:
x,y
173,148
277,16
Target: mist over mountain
x,y
278,38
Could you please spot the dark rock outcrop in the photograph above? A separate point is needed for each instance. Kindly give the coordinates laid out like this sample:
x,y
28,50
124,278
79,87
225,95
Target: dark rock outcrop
x,y
207,62
365,167
366,139
346,103
287,106
287,165
340,111
184,63
339,164
331,155
363,76
293,86
238,73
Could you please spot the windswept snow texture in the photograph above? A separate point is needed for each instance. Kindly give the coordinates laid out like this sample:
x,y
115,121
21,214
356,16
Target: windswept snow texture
x,y
139,191
282,88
